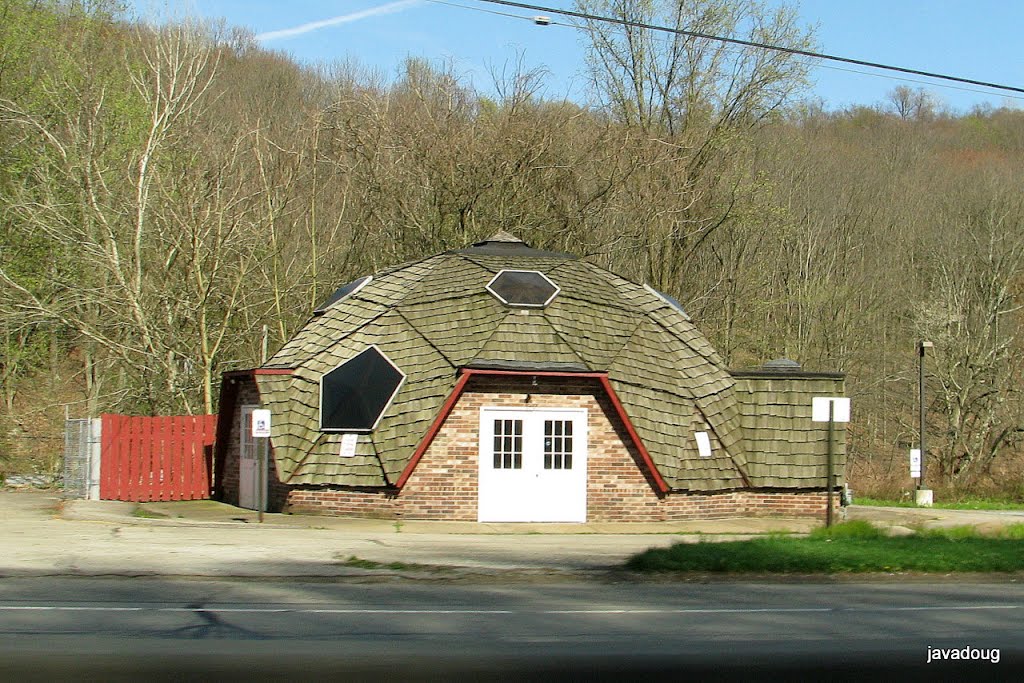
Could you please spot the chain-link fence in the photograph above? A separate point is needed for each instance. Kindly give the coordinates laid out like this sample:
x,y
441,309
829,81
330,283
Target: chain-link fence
x,y
81,458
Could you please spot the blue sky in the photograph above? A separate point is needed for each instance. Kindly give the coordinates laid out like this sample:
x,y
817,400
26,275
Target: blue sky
x,y
978,39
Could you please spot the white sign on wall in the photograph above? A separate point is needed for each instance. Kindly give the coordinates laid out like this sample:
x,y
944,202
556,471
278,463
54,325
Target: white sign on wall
x,y
348,445
703,444
261,423
840,409
915,463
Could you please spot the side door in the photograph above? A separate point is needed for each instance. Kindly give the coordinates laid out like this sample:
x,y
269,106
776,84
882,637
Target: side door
x,y
247,461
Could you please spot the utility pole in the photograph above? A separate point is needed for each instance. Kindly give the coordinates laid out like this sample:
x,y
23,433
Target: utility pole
x,y
921,497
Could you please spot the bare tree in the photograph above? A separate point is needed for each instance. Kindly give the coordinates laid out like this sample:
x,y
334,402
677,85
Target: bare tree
x,y
108,195
973,316
913,104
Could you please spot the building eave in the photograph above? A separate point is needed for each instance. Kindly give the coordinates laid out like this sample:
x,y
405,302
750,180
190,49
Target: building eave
x,y
460,386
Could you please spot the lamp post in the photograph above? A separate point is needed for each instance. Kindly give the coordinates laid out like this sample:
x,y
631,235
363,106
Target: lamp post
x,y
923,496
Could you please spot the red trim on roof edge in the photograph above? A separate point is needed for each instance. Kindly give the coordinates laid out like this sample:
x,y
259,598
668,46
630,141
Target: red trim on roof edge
x,y
532,373
460,386
446,410
662,486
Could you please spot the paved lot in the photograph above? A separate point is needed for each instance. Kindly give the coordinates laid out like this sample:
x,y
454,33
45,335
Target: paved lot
x,y
907,518
42,535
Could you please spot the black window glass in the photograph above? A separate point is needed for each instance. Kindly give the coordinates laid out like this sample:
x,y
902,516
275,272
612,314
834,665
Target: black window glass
x,y
523,288
508,444
354,394
341,293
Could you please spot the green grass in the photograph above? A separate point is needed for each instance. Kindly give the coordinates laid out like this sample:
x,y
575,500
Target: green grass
x,y
144,513
962,504
849,547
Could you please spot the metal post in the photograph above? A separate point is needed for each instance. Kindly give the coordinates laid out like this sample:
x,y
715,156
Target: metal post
x,y
828,464
920,394
262,477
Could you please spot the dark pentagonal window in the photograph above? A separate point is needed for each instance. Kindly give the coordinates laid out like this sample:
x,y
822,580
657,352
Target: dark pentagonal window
x,y
341,293
354,395
527,288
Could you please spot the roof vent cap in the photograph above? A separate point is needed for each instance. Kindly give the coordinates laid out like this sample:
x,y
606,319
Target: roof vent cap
x,y
782,364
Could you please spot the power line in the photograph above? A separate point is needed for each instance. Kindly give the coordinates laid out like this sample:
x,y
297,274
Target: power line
x,y
875,74
750,43
905,79
481,9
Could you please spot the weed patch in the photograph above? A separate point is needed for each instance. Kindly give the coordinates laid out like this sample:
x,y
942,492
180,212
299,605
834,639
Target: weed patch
x,y
360,563
144,513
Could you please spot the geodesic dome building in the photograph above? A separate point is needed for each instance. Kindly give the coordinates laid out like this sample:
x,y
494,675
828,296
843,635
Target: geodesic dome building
x,y
505,383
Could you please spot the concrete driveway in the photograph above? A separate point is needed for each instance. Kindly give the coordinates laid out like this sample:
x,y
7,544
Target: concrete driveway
x,y
43,535
909,518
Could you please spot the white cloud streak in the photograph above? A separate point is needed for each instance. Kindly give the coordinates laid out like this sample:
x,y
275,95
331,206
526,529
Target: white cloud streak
x,y
389,8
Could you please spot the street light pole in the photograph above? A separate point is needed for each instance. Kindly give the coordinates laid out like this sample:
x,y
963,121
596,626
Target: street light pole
x,y
921,346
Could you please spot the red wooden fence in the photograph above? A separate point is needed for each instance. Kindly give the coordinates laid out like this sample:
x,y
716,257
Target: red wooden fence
x,y
156,458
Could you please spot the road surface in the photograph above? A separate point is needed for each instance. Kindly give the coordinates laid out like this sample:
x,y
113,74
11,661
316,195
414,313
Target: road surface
x,y
294,629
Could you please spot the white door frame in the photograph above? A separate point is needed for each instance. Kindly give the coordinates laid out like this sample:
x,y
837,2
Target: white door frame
x,y
532,492
248,461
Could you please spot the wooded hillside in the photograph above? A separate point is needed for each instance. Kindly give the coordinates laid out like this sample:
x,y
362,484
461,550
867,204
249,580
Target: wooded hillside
x,y
166,193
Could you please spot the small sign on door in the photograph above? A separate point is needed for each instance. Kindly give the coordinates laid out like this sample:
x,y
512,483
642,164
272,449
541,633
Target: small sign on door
x,y
261,423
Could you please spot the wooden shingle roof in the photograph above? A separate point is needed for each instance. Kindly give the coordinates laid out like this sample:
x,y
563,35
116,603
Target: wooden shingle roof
x,y
434,316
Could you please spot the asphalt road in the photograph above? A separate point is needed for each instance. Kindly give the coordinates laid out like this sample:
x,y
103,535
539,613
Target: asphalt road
x,y
164,629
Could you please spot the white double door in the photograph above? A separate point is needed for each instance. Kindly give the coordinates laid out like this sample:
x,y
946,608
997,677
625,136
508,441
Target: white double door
x,y
533,465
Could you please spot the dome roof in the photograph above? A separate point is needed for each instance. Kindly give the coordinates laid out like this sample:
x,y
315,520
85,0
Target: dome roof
x,y
552,313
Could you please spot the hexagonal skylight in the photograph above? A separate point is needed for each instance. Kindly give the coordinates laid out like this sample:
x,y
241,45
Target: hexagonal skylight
x,y
354,395
527,288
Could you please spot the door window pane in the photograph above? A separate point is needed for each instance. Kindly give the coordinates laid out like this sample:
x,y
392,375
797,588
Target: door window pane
x,y
558,444
508,444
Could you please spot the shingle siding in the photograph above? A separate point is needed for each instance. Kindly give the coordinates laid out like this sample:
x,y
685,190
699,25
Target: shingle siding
x,y
785,447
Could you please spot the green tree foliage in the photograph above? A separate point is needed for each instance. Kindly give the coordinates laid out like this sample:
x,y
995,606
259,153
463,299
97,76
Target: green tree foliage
x,y
166,193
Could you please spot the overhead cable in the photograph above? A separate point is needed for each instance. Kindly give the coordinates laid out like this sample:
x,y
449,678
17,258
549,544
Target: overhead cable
x,y
750,43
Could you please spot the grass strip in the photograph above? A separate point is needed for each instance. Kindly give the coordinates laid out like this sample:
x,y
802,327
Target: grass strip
x,y
963,504
848,547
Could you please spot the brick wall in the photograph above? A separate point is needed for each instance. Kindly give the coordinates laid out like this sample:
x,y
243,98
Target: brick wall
x,y
248,395
619,489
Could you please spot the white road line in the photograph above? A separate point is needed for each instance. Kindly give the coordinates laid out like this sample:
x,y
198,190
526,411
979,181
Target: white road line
x,y
68,608
291,610
741,610
924,609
